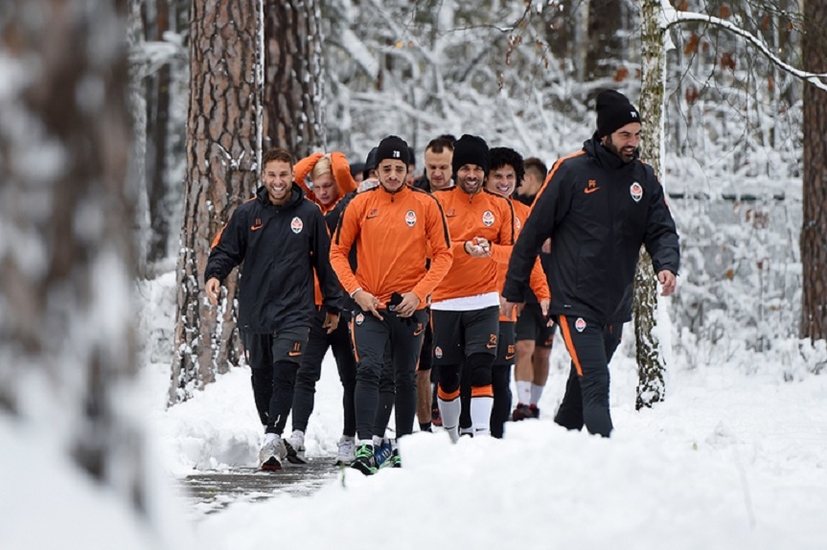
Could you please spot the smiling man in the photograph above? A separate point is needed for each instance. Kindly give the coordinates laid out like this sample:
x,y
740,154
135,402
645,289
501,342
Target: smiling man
x,y
598,206
465,305
281,238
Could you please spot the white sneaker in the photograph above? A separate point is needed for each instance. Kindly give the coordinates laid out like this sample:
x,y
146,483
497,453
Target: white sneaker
x,y
271,454
347,451
295,447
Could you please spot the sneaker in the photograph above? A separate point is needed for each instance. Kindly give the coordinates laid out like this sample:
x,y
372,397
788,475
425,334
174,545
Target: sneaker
x,y
535,411
294,446
347,451
521,412
395,460
364,461
436,417
272,454
383,453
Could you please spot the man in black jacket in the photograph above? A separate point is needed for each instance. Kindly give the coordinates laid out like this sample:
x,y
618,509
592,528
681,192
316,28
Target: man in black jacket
x,y
282,238
598,206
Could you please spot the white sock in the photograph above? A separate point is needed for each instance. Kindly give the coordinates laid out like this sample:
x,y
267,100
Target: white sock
x,y
270,437
481,415
377,441
366,442
536,393
523,392
449,410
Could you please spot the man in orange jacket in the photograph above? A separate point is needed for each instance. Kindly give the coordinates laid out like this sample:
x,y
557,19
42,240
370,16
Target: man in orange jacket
x,y
465,305
507,169
393,227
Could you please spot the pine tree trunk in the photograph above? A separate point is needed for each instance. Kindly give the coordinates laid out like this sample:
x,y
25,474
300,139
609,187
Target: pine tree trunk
x,y
814,223
651,365
293,96
223,153
66,326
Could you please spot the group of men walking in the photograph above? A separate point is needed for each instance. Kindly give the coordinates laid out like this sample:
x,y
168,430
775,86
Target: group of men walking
x,y
372,268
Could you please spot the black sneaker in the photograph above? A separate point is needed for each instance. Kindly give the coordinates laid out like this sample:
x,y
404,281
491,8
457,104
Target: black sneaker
x,y
521,412
364,461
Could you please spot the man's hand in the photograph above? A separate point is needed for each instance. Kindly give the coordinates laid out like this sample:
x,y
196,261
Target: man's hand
x,y
213,289
368,302
544,305
507,308
408,305
478,247
668,281
331,321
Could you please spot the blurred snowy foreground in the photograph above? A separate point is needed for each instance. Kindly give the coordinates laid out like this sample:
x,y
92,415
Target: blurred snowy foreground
x,y
731,459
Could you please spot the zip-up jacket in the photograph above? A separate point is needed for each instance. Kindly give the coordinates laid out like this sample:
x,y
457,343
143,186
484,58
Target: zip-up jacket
x,y
281,247
393,233
483,214
598,211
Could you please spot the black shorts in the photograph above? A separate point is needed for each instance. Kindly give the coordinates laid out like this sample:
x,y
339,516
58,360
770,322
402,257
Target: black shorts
x,y
531,325
262,350
505,347
458,334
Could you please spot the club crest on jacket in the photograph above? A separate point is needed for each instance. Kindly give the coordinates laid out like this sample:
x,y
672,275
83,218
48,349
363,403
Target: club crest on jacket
x,y
410,218
636,191
488,218
296,225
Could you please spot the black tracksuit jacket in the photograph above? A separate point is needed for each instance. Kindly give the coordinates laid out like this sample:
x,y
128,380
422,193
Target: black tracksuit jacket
x,y
280,247
598,212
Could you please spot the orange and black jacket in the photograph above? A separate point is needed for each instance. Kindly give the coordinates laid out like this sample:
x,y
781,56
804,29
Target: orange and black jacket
x,y
598,211
393,234
281,247
483,214
537,282
341,175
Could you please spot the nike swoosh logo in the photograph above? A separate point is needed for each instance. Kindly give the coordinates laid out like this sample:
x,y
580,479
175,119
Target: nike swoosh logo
x,y
371,216
590,190
418,332
293,353
490,346
508,357
256,227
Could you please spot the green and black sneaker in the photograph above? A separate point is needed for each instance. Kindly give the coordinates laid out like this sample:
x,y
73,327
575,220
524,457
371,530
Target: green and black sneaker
x,y
364,461
396,460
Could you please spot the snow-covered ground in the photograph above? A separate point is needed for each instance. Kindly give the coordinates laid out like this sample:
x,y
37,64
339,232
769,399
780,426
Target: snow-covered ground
x,y
729,460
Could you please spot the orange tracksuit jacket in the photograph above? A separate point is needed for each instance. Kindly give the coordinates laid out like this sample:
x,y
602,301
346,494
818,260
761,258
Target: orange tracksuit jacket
x,y
483,214
394,234
537,281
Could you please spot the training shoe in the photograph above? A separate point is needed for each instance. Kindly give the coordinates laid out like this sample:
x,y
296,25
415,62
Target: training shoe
x,y
436,417
522,412
272,454
383,453
535,411
294,446
395,460
364,461
347,450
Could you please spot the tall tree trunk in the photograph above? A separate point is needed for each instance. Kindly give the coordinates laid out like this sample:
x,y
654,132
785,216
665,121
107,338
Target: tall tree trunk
x,y
651,365
604,21
66,328
814,223
293,96
158,104
223,155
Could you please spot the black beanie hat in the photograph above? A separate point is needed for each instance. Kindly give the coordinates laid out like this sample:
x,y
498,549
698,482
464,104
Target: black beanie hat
x,y
392,147
470,150
614,111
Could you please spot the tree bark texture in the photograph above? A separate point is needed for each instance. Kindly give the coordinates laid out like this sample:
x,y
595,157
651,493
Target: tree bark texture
x,y
293,94
67,256
223,152
651,365
814,222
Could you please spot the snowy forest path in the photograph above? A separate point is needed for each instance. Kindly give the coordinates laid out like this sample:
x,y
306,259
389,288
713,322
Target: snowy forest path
x,y
212,491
